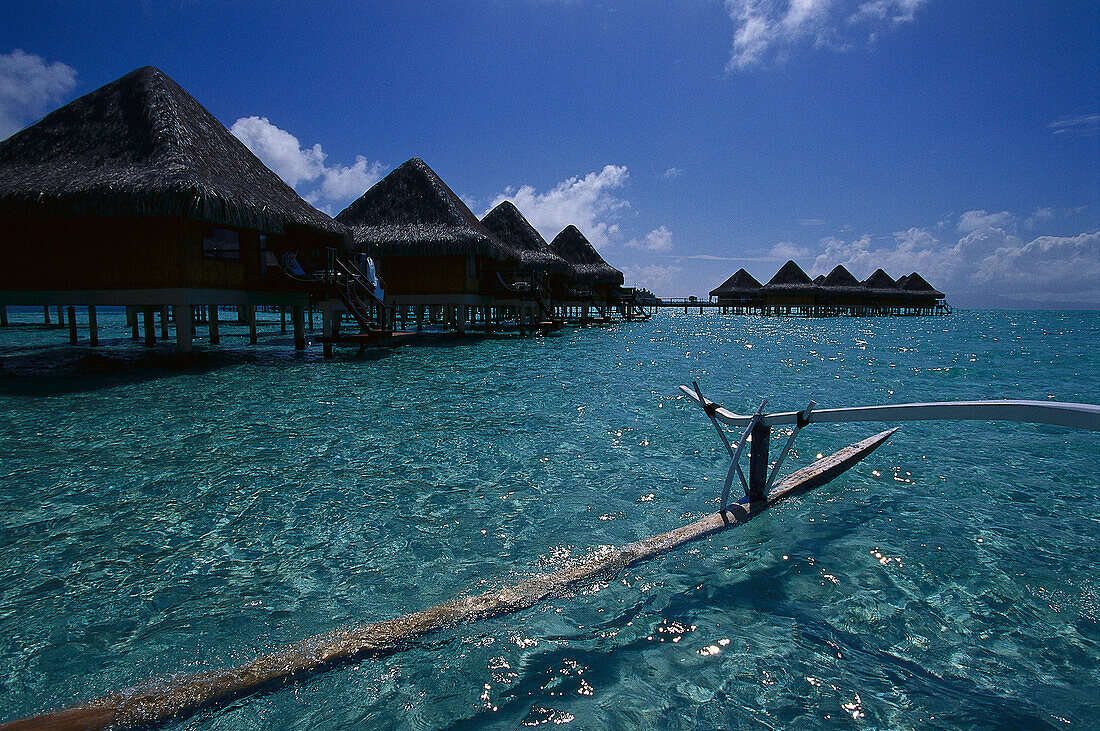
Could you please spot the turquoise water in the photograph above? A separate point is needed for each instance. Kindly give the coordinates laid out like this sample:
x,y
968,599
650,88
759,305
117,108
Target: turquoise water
x,y
159,517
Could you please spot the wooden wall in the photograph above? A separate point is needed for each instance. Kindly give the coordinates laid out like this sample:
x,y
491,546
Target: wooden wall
x,y
433,275
133,253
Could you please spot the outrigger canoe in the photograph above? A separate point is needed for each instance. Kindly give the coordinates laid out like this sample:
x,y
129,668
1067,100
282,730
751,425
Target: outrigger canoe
x,y
164,699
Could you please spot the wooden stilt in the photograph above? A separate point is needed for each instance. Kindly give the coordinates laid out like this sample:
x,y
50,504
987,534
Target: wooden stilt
x,y
298,315
282,319
215,337
132,321
150,327
327,330
3,315
164,322
45,314
93,327
184,329
250,314
311,318
60,316
72,325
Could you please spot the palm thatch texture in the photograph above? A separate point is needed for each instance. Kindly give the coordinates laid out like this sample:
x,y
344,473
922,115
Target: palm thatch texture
x,y
841,281
740,284
412,212
880,280
587,264
527,245
142,146
916,285
790,278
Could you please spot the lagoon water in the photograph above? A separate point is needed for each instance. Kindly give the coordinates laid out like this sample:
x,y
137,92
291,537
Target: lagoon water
x,y
161,517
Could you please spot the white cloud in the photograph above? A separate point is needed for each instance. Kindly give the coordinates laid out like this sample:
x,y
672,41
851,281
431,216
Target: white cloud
x,y
711,257
1082,125
768,31
811,222
1045,215
329,187
658,240
988,258
588,203
657,279
786,250
28,88
972,221
673,173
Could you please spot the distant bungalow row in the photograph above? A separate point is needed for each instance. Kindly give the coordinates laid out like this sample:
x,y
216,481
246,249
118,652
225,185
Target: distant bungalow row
x,y
135,195
792,292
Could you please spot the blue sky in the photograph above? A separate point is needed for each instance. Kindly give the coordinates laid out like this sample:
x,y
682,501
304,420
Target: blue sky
x,y
960,139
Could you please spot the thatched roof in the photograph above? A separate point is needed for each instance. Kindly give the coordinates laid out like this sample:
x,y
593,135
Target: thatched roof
x,y
527,245
880,280
412,212
840,280
740,283
790,277
142,146
915,284
588,265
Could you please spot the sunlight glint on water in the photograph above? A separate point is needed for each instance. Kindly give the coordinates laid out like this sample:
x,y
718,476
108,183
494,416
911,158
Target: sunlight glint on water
x,y
160,518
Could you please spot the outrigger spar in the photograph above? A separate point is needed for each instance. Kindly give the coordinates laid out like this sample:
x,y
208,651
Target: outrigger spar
x,y
159,700
758,426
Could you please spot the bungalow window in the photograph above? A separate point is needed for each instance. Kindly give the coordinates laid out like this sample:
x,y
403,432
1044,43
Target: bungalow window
x,y
267,256
222,243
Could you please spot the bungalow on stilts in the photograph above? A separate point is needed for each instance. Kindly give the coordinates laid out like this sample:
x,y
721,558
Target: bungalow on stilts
x,y
439,262
135,195
524,280
592,283
789,292
739,294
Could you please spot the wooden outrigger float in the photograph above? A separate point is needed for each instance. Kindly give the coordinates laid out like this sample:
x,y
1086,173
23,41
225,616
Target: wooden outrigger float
x,y
165,699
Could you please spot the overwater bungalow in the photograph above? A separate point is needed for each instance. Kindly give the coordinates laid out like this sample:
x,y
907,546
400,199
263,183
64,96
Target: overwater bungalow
x,y
738,294
789,292
792,292
593,283
883,295
134,194
840,293
920,297
532,273
439,262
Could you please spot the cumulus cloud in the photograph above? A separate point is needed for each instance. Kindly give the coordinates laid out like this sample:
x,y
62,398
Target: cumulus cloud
x,y
673,173
972,221
589,203
1045,215
29,87
786,250
329,187
769,31
654,277
988,257
659,240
